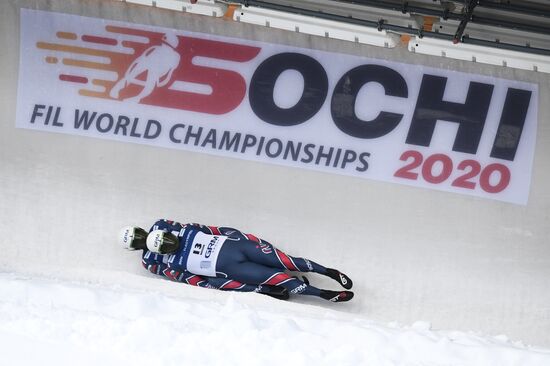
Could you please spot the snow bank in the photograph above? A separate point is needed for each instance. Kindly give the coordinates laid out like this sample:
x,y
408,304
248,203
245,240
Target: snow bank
x,y
49,321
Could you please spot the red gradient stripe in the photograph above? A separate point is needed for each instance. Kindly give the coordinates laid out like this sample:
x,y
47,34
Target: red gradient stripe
x,y
252,237
277,279
73,78
214,230
231,285
194,280
173,275
286,261
100,40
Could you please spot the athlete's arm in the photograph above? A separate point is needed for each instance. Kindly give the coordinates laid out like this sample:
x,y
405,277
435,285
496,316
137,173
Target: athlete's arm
x,y
236,233
153,262
166,225
203,228
228,231
207,282
185,277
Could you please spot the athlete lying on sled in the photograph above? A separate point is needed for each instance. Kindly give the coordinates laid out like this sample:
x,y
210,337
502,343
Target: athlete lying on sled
x,y
227,259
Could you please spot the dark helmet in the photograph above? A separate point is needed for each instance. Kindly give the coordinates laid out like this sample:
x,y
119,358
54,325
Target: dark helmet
x,y
132,238
162,242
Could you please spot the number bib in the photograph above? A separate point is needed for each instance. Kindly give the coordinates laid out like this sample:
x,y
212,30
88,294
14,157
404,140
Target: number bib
x,y
204,254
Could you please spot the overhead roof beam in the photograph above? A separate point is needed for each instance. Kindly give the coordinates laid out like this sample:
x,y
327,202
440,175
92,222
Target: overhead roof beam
x,y
509,24
446,13
405,7
383,25
516,8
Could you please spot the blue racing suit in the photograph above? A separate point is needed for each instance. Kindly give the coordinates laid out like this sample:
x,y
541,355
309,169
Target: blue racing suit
x,y
245,262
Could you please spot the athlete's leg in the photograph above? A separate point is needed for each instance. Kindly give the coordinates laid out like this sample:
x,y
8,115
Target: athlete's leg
x,y
253,273
270,276
229,265
226,284
264,253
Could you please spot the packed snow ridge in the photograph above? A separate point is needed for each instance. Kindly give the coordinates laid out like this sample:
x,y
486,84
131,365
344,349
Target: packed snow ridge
x,y
50,321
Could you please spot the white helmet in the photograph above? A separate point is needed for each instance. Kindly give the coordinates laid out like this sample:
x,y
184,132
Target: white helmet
x,y
132,238
162,242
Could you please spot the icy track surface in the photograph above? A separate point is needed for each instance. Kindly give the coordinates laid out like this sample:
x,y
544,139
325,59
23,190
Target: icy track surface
x,y
45,321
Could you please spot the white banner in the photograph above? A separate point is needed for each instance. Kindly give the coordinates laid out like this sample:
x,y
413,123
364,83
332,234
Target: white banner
x,y
337,113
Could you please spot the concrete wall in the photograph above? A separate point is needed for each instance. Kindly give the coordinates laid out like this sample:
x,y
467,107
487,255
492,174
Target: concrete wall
x,y
459,262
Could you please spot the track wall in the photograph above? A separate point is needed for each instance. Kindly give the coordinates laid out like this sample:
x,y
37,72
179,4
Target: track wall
x,y
459,262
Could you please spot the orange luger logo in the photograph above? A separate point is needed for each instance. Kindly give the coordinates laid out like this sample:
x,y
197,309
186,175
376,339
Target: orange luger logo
x,y
154,71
